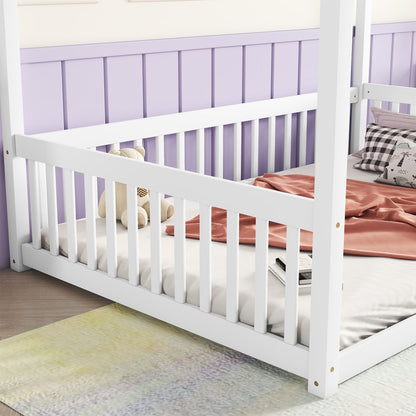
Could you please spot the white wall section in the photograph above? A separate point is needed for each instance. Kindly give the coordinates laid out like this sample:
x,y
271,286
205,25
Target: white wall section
x,y
121,20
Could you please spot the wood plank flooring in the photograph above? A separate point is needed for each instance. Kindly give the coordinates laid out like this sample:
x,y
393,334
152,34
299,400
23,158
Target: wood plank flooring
x,y
31,300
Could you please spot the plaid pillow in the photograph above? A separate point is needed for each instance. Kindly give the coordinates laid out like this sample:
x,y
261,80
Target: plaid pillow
x,y
380,143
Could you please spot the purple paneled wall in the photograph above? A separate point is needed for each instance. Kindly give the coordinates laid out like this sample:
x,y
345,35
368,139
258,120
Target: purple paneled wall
x,y
81,85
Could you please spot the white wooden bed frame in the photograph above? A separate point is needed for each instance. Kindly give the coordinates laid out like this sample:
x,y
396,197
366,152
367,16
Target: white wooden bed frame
x,y
323,364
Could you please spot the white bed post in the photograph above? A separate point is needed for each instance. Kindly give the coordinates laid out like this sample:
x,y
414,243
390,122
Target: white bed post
x,y
12,123
330,182
361,72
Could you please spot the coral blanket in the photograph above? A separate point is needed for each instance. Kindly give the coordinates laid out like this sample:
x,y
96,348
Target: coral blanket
x,y
380,220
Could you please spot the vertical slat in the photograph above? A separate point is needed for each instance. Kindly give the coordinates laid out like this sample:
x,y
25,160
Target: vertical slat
x,y
219,151
262,242
115,146
271,145
35,203
302,137
205,258
395,107
91,214
288,140
42,195
52,210
413,109
180,150
237,152
200,151
70,218
232,266
132,235
180,259
110,222
95,189
292,285
160,150
377,103
254,148
155,245
138,142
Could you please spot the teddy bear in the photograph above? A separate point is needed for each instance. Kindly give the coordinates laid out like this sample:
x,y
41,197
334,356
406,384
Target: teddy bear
x,y
143,199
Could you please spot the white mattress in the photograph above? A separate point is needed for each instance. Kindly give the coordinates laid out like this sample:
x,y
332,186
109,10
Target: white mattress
x,y
377,292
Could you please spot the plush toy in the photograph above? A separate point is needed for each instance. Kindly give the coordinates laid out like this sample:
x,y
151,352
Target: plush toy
x,y
143,199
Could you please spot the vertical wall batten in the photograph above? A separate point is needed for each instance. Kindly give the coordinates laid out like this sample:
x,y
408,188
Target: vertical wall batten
x,y
111,227
254,148
132,224
91,216
261,278
70,215
155,243
292,286
232,266
180,251
35,203
205,258
52,210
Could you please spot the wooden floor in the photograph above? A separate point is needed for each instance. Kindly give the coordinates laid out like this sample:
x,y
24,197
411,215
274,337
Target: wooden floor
x,y
31,299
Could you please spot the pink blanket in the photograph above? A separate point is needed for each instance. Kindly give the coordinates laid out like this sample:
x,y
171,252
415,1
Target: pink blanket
x,y
380,220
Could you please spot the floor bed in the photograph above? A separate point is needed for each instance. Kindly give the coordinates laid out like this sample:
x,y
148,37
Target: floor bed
x,y
377,292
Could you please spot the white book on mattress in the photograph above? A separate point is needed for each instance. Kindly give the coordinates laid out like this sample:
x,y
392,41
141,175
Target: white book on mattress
x,y
278,268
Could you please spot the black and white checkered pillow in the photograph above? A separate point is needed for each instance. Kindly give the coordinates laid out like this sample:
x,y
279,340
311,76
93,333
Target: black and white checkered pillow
x,y
380,143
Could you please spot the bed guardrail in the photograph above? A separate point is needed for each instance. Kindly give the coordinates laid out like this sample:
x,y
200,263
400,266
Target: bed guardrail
x,y
393,94
295,211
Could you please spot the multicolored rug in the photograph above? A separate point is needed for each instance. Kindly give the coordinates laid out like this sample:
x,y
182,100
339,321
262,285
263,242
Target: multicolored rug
x,y
118,362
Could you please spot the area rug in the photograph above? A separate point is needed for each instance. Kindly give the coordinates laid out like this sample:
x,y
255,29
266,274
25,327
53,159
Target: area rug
x,y
115,361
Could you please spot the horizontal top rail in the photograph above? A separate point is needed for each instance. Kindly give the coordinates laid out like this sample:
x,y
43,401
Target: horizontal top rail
x,y
393,93
104,134
262,203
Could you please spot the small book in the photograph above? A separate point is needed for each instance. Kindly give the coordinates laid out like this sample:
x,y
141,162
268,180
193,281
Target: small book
x,y
278,269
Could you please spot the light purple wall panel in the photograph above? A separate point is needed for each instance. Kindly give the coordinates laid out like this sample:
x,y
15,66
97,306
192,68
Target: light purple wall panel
x,y
124,86
91,84
228,89
42,97
195,79
285,83
380,67
84,104
257,86
161,80
84,92
401,61
413,63
308,82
